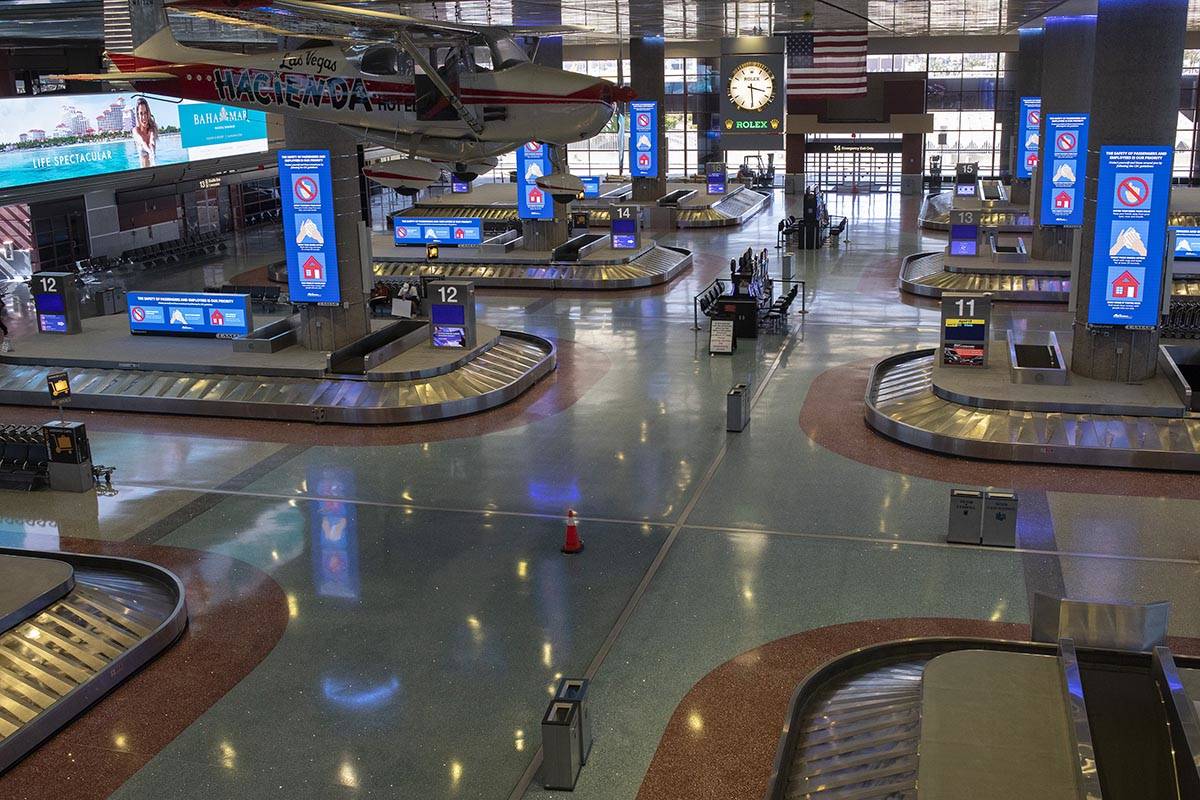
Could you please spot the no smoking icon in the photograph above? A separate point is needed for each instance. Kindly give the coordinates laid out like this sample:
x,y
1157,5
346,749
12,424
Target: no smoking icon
x,y
1133,191
305,189
1065,142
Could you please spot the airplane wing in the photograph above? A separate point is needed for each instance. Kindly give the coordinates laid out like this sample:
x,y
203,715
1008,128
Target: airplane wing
x,y
367,19
118,77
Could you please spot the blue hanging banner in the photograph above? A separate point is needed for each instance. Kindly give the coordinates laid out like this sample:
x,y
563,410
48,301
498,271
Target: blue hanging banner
x,y
1066,163
643,139
1133,193
533,161
1027,133
309,240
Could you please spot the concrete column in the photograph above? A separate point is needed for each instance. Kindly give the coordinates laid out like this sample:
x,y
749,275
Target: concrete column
x,y
1066,89
1135,100
646,56
912,163
330,327
793,163
128,23
1028,83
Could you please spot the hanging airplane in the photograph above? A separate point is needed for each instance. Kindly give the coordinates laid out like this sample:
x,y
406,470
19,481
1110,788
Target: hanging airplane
x,y
440,93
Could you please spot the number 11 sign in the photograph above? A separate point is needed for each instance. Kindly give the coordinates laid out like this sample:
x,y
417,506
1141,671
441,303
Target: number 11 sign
x,y
966,320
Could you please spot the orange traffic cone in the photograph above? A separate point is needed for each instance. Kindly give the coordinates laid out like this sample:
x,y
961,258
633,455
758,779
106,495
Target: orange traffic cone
x,y
572,543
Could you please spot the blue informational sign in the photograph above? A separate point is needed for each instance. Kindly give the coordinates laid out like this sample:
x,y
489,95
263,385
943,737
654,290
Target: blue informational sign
x,y
643,139
1065,165
533,161
716,178
624,234
1133,192
191,313
1027,133
1187,244
591,186
459,187
306,189
439,230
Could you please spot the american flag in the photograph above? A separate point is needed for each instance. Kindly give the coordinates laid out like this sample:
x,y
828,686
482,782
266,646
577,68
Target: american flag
x,y
826,63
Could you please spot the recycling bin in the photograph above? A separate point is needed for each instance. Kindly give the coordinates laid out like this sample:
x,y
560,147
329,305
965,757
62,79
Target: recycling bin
x,y
737,408
966,516
575,690
560,746
1000,519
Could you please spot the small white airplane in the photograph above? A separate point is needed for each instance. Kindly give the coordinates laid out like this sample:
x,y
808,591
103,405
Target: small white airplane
x,y
440,93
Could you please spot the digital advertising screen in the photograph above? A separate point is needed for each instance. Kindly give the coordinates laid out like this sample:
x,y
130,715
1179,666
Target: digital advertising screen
x,y
459,187
591,186
1187,244
225,316
439,230
1133,192
1066,163
643,139
309,238
533,162
1028,136
55,137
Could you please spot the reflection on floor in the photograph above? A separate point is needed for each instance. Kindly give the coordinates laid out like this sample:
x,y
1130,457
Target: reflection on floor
x,y
429,608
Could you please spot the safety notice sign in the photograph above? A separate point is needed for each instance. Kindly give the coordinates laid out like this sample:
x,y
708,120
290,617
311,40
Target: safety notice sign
x,y
1028,136
1066,162
1133,194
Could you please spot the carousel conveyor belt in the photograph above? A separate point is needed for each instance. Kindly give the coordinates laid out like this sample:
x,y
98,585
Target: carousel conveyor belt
x,y
1107,724
901,404
118,615
491,378
925,274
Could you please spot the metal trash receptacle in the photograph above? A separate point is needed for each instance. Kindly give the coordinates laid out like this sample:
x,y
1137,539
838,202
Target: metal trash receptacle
x,y
1000,519
785,262
560,745
966,516
575,690
737,407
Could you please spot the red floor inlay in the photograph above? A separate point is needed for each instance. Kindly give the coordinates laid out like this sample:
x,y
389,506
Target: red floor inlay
x,y
237,614
832,416
720,743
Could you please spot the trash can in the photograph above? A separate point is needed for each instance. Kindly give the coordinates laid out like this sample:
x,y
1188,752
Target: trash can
x,y
1000,519
966,516
737,408
106,302
560,745
575,690
786,266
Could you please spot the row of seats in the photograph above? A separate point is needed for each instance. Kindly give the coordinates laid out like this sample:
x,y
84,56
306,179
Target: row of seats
x,y
708,298
777,315
191,246
24,457
264,297
1184,320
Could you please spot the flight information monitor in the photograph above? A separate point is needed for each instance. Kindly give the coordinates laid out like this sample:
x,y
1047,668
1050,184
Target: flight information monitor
x,y
625,228
591,186
460,187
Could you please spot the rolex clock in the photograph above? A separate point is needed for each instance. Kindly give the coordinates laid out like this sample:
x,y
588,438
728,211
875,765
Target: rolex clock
x,y
751,86
753,104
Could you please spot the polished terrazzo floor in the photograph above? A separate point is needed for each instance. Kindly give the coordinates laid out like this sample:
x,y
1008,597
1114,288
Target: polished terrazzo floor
x,y
430,611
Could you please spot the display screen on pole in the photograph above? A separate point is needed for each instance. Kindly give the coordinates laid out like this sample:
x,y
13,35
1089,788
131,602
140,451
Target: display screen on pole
x,y
190,313
1066,163
440,230
1133,193
56,136
1187,244
533,162
1027,135
624,234
309,239
591,186
459,187
643,139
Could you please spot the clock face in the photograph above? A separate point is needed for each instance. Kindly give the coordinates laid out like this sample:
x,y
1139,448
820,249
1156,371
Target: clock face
x,y
751,86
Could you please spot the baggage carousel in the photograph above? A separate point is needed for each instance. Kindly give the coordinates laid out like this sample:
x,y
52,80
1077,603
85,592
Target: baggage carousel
x,y
926,274
901,403
197,377
653,266
72,627
993,719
